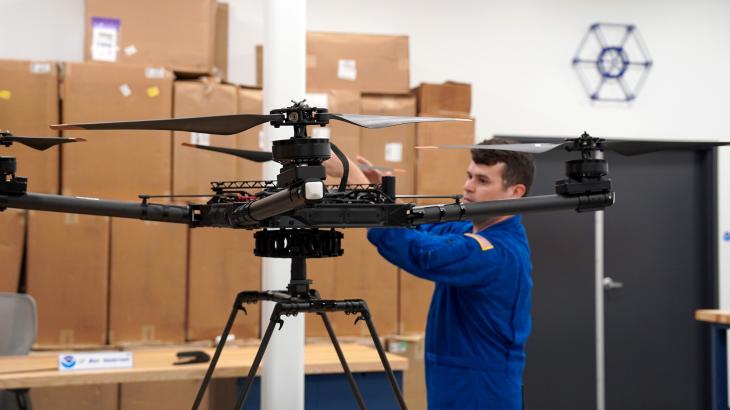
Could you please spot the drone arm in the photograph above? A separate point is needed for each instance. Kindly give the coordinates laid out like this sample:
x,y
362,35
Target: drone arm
x,y
91,206
461,211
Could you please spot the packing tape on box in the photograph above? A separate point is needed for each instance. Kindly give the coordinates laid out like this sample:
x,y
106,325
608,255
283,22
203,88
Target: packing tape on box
x,y
130,50
125,90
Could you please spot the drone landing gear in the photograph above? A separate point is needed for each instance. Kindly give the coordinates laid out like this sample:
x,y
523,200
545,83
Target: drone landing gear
x,y
300,298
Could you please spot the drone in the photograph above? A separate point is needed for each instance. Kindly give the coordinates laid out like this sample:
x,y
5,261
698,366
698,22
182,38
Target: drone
x,y
297,216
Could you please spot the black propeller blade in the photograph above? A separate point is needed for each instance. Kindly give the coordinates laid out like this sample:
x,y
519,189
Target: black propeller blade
x,y
383,121
620,146
220,124
256,156
39,143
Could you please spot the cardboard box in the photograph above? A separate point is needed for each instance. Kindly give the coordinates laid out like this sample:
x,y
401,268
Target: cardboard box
x,y
393,146
68,275
90,397
250,101
360,62
259,65
161,395
147,281
28,105
359,274
179,35
222,264
450,99
12,226
412,347
194,169
345,136
442,171
220,67
116,164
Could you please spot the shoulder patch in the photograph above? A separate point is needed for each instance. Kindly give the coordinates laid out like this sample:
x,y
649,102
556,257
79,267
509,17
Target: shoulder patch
x,y
483,242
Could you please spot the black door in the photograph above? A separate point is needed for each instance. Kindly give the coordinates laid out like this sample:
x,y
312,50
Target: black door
x,y
659,242
660,245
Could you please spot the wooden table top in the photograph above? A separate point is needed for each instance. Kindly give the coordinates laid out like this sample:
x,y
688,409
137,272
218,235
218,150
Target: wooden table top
x,y
713,316
156,364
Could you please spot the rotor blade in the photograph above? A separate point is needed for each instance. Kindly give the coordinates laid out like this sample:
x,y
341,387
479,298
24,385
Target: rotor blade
x,y
630,148
382,121
221,124
536,148
365,167
39,143
534,138
256,156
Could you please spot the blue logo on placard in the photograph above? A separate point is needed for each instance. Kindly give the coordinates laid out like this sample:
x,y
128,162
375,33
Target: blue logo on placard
x,y
68,361
726,237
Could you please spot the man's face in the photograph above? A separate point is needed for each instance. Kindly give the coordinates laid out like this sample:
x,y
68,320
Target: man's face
x,y
485,183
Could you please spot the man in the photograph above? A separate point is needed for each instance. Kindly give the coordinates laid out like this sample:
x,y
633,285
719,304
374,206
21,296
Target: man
x,y
479,317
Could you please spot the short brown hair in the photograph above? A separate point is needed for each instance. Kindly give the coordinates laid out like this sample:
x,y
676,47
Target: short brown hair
x,y
519,167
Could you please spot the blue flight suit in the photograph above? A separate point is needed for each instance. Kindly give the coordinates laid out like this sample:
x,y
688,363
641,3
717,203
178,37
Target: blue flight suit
x,y
479,317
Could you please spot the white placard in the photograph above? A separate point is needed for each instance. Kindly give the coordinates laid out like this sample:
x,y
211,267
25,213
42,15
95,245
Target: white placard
x,y
40,68
154,72
394,152
95,361
104,39
347,69
125,90
199,138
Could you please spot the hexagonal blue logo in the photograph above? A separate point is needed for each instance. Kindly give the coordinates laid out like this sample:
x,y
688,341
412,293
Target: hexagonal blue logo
x,y
612,62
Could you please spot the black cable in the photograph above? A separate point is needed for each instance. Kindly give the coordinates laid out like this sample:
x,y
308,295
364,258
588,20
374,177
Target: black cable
x,y
345,167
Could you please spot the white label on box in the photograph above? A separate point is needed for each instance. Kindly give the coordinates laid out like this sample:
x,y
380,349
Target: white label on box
x,y
394,152
130,50
154,72
319,100
262,142
104,39
94,361
322,132
199,138
347,70
125,90
40,68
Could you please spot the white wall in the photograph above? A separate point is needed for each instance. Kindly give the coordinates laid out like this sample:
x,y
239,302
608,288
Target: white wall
x,y
516,54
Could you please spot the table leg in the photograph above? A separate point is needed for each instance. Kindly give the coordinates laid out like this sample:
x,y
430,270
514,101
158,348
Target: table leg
x,y
719,368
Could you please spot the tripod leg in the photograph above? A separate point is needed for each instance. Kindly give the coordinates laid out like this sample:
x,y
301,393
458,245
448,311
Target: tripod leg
x,y
345,367
218,350
275,318
383,358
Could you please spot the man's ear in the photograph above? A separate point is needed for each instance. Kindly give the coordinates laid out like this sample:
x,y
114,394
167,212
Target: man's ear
x,y
518,190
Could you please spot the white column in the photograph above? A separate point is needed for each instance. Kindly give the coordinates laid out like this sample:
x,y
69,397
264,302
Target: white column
x,y
282,382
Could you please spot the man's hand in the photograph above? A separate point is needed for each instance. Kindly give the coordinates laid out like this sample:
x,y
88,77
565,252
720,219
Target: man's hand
x,y
373,175
333,167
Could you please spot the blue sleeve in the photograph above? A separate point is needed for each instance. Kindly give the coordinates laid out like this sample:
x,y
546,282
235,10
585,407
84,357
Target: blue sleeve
x,y
453,259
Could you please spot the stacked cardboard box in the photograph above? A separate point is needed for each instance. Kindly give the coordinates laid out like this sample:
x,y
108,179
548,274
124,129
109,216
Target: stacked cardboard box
x,y
250,101
394,146
194,169
28,105
412,347
178,35
12,226
68,269
147,281
221,265
359,62
116,164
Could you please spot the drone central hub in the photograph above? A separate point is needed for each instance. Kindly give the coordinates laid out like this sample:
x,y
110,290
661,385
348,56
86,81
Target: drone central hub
x,y
298,243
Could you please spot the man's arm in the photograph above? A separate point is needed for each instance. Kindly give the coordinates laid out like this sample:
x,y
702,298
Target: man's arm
x,y
453,259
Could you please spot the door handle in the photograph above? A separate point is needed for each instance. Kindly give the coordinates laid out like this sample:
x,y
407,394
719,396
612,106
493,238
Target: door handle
x,y
610,284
